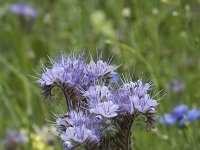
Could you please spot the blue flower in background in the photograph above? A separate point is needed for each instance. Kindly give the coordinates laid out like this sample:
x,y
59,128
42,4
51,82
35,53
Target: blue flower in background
x,y
193,114
116,77
167,119
179,111
181,115
24,10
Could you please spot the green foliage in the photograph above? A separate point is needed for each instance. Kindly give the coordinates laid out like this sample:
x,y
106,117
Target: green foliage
x,y
159,39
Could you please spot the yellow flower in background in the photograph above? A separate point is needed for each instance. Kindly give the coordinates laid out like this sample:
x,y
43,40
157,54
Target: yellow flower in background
x,y
38,143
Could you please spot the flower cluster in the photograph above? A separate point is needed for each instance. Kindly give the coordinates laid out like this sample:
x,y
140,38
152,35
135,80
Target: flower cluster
x,y
78,128
180,114
101,105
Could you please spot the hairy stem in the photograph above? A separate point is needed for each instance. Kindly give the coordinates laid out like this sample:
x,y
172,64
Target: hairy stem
x,y
122,139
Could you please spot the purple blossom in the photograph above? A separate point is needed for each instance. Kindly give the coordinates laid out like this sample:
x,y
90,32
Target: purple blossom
x,y
177,86
97,94
51,75
135,88
72,74
24,10
13,139
74,69
79,128
107,109
73,119
101,101
67,69
79,134
145,103
133,97
100,70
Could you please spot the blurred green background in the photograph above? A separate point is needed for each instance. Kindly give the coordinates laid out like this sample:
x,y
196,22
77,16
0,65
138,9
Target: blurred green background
x,y
159,39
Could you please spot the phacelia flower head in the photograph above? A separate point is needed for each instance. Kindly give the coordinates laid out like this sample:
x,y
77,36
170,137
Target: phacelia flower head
x,y
101,101
79,135
107,109
133,97
73,75
67,73
77,128
51,75
145,103
24,10
66,69
101,70
97,94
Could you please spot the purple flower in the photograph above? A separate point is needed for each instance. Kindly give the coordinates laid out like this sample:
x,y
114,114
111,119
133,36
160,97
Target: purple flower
x,y
78,128
24,10
101,101
67,73
79,134
167,119
135,88
13,139
73,119
67,69
177,86
133,97
51,75
97,94
100,70
74,69
145,103
107,109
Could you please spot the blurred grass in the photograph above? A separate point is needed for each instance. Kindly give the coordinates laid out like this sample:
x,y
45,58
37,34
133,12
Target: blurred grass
x,y
158,38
